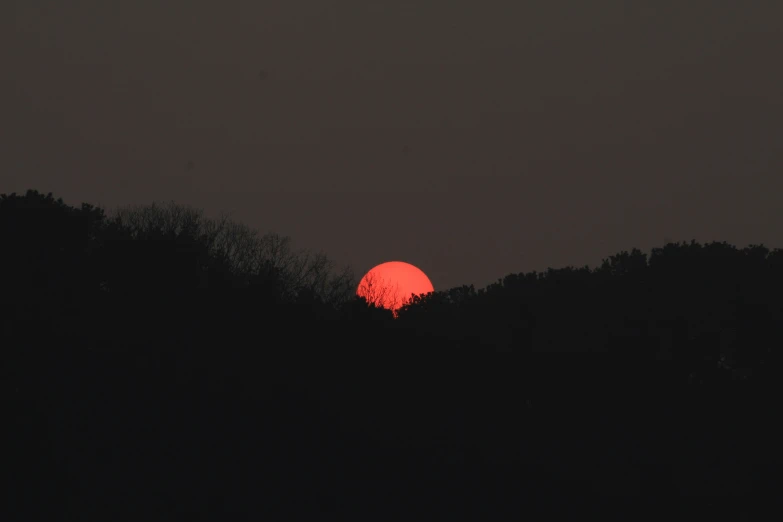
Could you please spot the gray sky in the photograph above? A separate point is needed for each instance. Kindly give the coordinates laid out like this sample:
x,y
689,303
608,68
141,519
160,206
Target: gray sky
x,y
473,139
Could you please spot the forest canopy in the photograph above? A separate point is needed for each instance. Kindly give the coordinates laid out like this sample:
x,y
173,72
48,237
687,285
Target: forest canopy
x,y
179,353
699,308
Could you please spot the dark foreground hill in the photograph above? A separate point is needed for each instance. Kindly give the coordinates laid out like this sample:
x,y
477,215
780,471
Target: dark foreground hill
x,y
154,368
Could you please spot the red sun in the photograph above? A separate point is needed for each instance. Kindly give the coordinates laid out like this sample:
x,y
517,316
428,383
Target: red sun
x,y
391,284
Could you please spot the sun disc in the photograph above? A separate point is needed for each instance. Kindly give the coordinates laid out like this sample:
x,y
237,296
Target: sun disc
x,y
392,284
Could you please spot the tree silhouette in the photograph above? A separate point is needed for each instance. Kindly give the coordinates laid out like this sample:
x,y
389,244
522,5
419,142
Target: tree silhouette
x,y
244,251
380,292
218,372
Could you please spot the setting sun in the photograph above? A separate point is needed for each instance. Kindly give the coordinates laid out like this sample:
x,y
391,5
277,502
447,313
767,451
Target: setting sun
x,y
391,284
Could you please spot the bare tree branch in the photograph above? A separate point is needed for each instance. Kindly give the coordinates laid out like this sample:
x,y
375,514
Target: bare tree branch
x,y
245,250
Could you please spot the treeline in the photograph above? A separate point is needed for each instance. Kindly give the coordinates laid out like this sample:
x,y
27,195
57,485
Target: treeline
x,y
698,311
160,363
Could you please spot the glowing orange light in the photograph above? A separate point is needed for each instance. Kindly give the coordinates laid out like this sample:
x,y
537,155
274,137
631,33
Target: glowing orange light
x,y
392,284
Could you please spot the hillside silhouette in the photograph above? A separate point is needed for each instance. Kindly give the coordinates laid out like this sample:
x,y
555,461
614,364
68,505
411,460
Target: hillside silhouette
x,y
161,365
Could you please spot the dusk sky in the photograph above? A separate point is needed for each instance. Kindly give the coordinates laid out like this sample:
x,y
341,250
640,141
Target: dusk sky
x,y
472,139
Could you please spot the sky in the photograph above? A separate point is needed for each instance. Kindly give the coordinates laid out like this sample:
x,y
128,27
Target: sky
x,y
472,139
